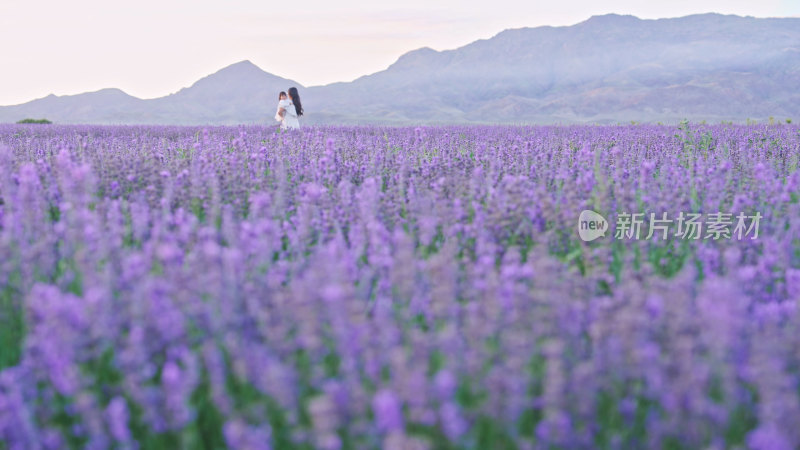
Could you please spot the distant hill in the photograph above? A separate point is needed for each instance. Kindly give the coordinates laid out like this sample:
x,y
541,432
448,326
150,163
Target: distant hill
x,y
240,93
609,68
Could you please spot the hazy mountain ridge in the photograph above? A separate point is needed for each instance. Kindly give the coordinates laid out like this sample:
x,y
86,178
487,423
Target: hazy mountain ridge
x,y
606,69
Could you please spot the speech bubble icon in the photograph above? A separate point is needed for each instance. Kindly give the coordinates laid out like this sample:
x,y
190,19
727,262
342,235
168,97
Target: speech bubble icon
x,y
591,225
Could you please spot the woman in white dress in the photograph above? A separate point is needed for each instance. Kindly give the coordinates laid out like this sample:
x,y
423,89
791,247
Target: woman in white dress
x,y
291,109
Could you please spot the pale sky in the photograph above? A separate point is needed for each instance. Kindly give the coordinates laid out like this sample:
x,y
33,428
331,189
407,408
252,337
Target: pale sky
x,y
151,48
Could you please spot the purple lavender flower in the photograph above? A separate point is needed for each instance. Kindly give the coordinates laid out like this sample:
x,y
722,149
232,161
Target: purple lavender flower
x,y
768,437
117,416
388,411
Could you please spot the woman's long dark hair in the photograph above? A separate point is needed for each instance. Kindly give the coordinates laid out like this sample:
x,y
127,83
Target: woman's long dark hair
x,y
298,107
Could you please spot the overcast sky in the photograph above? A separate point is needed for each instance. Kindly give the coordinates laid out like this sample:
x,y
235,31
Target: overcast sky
x,y
150,48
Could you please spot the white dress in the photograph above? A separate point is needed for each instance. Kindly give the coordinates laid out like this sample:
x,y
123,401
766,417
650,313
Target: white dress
x,y
290,118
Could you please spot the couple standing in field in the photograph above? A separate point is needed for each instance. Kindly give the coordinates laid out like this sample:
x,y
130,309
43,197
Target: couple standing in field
x,y
289,109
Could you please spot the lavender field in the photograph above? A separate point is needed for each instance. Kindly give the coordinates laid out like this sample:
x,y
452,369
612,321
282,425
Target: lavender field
x,y
396,288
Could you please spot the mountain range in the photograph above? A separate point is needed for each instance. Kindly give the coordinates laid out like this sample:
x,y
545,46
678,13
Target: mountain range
x,y
607,69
